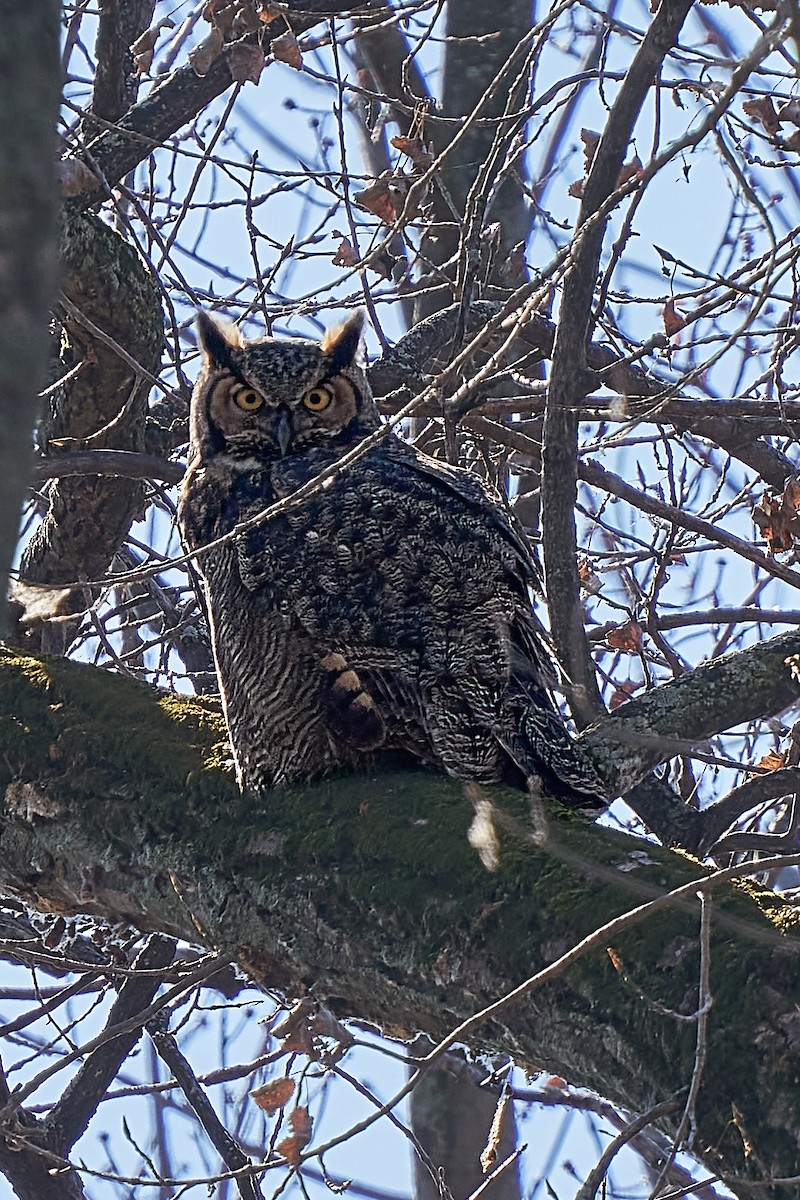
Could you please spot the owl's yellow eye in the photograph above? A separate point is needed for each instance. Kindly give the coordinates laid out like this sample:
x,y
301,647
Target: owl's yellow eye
x,y
317,399
248,399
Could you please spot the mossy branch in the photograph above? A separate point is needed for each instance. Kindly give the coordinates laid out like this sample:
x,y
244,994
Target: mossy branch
x,y
366,890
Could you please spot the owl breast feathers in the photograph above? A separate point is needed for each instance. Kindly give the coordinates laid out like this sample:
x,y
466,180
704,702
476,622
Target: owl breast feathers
x,y
386,613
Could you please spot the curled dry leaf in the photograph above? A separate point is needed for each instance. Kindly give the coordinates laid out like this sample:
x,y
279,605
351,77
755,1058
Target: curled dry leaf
x,y
377,199
630,170
246,61
292,1147
273,1095
763,110
589,579
622,694
626,637
790,111
386,198
615,960
220,14
285,49
206,52
591,141
772,761
270,10
417,150
144,46
345,255
777,517
674,321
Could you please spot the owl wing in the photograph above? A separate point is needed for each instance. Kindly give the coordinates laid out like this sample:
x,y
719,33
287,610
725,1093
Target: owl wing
x,y
414,585
533,732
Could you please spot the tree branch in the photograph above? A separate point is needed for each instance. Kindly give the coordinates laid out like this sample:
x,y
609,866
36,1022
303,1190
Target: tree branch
x,y
30,79
366,887
570,377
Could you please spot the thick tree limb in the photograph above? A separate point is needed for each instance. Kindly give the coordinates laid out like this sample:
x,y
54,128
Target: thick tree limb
x,y
30,79
367,888
103,404
570,377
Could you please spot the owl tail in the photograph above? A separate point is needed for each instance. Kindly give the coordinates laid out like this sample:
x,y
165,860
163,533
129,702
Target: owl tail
x,y
541,748
351,712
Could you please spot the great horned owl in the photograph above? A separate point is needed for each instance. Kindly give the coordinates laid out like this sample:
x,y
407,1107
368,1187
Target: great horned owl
x,y
388,611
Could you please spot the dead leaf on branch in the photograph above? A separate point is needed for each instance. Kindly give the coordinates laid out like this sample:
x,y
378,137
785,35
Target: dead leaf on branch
x,y
270,10
292,1147
674,321
622,695
144,47
589,579
778,517
75,177
246,62
345,255
763,110
377,199
489,1152
286,49
591,140
772,761
419,151
205,53
790,111
628,637
273,1095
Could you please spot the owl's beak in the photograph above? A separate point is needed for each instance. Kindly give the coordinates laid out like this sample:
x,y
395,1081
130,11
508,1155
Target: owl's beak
x,y
283,430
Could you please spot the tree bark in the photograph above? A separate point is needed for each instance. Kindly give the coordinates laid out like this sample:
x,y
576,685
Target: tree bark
x,y
30,93
120,802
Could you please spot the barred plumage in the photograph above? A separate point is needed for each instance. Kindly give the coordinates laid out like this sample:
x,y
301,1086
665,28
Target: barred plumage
x,y
389,611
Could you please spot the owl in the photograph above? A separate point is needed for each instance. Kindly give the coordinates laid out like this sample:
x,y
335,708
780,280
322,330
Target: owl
x,y
385,615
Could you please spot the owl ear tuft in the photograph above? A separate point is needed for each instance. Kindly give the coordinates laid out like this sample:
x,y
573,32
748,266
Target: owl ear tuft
x,y
217,338
341,344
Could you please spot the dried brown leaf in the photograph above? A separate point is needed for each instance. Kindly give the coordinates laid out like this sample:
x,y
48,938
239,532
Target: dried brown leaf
x,y
674,321
144,46
591,141
622,694
246,21
76,178
270,10
273,1095
763,110
285,49
790,111
291,1147
778,517
630,170
246,61
416,149
626,637
221,14
345,255
203,55
377,199
772,761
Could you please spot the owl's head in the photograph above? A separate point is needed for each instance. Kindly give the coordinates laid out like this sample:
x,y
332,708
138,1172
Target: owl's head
x,y
271,397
